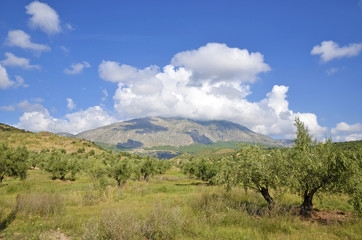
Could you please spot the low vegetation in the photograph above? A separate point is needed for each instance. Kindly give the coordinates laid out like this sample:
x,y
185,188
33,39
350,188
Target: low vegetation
x,y
311,191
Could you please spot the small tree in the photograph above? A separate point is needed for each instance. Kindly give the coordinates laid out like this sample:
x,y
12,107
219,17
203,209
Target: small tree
x,y
148,168
13,162
57,164
120,170
315,166
202,168
255,168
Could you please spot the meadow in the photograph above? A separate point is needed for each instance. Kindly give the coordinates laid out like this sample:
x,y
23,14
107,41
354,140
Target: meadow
x,y
167,206
66,188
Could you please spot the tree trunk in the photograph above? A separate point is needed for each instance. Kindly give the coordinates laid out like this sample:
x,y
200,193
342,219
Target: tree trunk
x,y
307,206
267,197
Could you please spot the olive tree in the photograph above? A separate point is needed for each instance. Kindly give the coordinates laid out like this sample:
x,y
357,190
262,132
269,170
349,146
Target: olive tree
x,y
202,168
255,168
316,166
13,162
119,169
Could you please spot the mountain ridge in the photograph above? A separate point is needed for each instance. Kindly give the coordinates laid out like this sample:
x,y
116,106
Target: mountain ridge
x,y
174,131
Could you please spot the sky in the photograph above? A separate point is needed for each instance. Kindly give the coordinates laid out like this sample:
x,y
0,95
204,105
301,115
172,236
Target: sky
x,y
71,66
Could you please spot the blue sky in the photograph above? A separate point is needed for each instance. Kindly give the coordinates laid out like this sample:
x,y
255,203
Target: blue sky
x,y
76,65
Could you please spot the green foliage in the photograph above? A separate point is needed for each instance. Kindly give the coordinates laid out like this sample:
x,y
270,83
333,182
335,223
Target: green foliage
x,y
59,164
148,168
13,162
316,166
202,168
118,168
254,167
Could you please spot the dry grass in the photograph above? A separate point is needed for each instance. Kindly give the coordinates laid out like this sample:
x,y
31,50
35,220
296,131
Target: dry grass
x,y
162,222
40,204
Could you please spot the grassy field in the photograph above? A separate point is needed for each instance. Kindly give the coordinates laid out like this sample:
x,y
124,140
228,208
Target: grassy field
x,y
169,206
44,140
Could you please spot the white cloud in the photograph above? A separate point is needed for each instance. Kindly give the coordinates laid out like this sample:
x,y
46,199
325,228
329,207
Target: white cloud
x,y
114,72
26,106
76,68
329,50
70,104
7,108
332,71
5,82
19,38
43,17
80,121
218,62
173,92
14,61
20,82
69,27
346,132
105,93
345,127
64,49
38,100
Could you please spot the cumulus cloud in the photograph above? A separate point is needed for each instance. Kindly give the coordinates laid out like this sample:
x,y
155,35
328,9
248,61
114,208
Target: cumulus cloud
x,y
26,106
18,38
43,17
346,132
115,72
74,123
173,91
329,50
218,62
14,61
70,104
5,82
76,68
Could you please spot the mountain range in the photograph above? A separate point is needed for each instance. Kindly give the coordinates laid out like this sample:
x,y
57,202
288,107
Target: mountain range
x,y
176,132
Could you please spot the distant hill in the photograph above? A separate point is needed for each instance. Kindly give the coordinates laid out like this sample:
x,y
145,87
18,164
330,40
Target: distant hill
x,y
65,134
172,132
286,142
43,140
351,145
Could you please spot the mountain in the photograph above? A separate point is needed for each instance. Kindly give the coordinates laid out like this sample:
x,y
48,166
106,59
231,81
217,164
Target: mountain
x,y
286,142
175,132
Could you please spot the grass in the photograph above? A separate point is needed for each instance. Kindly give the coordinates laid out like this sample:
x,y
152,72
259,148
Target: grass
x,y
43,140
169,206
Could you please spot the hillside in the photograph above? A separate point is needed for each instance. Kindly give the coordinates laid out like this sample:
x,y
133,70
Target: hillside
x,y
38,141
173,132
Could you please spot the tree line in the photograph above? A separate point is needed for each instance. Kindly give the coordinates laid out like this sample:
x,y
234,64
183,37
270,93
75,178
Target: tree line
x,y
14,162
